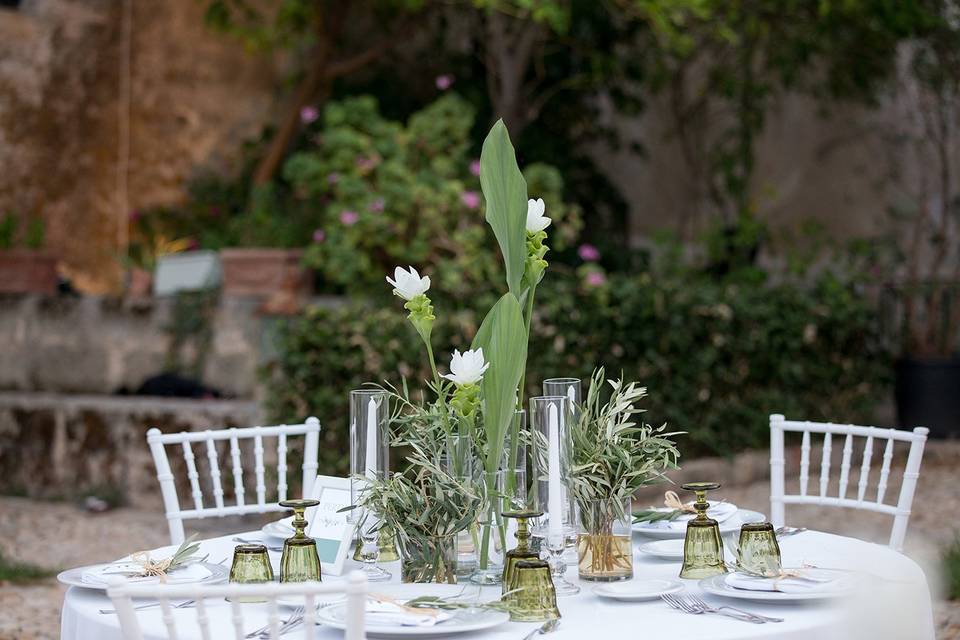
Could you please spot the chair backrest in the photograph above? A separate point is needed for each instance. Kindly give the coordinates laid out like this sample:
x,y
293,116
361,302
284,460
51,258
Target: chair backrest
x,y
218,508
122,593
866,498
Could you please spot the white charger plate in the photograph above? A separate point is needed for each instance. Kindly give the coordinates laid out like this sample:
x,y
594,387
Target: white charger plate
x,y
843,586
730,525
74,577
638,590
668,549
464,620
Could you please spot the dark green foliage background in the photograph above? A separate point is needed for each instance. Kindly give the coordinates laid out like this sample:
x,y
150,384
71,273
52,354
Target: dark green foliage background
x,y
717,356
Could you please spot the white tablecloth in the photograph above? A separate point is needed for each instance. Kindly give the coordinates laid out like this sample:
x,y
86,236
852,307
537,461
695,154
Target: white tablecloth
x,y
894,604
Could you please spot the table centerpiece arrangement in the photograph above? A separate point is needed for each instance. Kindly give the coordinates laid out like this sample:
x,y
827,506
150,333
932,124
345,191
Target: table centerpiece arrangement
x,y
464,431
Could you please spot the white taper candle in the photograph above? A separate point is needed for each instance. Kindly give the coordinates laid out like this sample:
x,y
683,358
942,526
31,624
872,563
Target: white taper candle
x,y
370,460
554,508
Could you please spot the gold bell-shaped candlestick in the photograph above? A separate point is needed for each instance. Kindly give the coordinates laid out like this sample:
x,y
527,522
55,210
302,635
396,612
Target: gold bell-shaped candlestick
x,y
300,561
702,548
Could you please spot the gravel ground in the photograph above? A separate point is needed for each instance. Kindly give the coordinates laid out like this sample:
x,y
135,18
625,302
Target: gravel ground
x,y
71,537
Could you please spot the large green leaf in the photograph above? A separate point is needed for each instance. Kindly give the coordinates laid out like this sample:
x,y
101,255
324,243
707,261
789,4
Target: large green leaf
x,y
503,338
505,192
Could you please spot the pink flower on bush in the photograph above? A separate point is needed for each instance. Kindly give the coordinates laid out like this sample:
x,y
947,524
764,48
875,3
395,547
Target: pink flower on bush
x,y
333,178
193,244
348,217
365,164
309,114
588,252
471,199
214,211
319,236
135,215
596,279
475,168
444,81
377,206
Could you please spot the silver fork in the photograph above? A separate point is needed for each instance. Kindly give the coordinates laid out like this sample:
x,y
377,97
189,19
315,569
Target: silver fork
x,y
186,604
547,627
783,532
681,604
710,609
265,629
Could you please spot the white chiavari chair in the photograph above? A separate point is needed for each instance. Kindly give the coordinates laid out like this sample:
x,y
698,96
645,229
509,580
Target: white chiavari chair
x,y
866,498
218,507
198,618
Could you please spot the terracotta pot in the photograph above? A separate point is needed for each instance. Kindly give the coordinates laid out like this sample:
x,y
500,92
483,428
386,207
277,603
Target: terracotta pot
x,y
28,271
139,283
264,272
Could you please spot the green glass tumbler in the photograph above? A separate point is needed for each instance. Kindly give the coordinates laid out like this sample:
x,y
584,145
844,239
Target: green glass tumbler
x,y
300,561
702,547
758,551
534,598
251,565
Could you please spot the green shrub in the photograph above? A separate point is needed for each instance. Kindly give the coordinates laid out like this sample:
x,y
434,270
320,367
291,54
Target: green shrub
x,y
20,573
388,195
951,569
718,356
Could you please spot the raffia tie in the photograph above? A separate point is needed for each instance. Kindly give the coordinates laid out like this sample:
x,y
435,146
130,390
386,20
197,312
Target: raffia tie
x,y
151,567
672,501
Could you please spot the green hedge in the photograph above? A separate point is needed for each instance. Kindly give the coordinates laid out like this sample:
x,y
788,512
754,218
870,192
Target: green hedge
x,y
717,356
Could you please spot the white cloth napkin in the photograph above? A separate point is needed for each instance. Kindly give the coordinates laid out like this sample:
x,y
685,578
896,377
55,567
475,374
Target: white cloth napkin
x,y
390,614
719,511
192,572
813,581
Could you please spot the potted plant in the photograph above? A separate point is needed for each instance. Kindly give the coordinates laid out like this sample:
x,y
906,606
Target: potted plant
x,y
924,290
24,266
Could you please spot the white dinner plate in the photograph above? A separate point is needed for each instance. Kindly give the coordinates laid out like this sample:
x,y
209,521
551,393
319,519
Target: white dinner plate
x,y
463,621
668,549
843,586
278,529
730,525
636,590
74,577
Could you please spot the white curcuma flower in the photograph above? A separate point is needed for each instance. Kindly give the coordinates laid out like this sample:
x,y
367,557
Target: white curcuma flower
x,y
408,284
536,221
467,367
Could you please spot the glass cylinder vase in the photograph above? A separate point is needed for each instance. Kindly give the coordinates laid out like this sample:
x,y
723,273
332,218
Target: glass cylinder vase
x,y
490,533
426,559
543,409
604,551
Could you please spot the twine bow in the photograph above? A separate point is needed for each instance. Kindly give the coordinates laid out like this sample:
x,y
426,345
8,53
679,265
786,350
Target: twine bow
x,y
151,567
672,501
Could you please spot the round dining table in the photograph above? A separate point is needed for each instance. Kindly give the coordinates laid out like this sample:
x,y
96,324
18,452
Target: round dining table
x,y
892,601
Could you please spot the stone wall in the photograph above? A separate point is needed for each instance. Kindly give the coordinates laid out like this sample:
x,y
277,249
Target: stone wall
x,y
94,344
194,97
60,446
